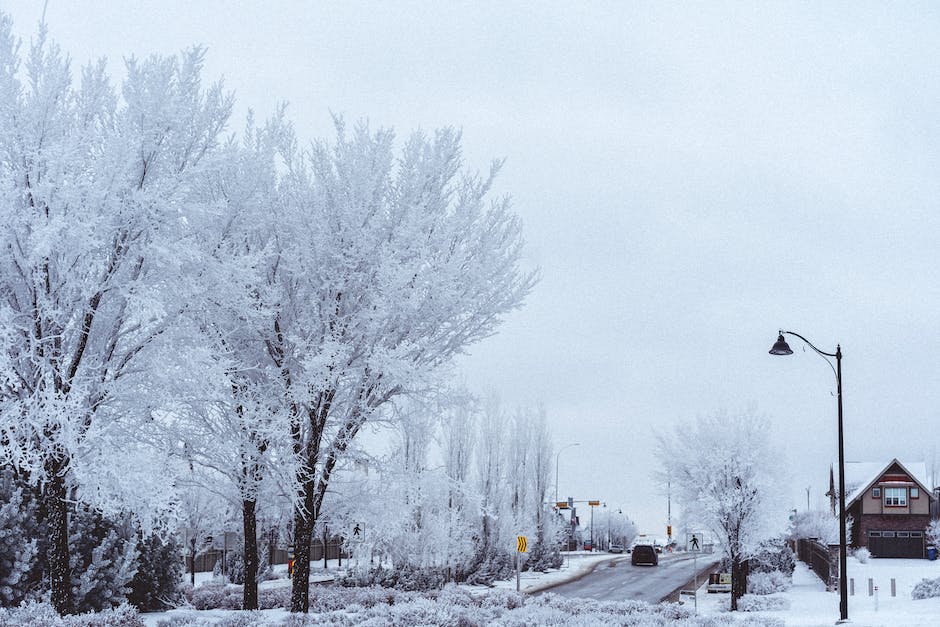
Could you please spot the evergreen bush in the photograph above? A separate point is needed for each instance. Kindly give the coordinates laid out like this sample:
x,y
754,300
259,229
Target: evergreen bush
x,y
20,547
159,570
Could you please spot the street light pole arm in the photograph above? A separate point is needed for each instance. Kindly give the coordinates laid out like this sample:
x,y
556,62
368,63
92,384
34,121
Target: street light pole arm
x,y
823,354
808,342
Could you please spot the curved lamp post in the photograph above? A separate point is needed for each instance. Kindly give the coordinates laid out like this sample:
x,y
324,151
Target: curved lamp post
x,y
781,347
557,458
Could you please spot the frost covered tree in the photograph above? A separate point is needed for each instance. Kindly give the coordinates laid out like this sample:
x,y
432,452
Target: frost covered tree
x,y
232,424
95,248
820,524
384,270
513,470
723,473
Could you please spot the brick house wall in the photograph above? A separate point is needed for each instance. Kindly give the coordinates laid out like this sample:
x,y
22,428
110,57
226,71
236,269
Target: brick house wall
x,y
879,522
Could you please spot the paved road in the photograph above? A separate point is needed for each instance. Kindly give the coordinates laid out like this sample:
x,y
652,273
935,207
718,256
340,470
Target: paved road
x,y
619,580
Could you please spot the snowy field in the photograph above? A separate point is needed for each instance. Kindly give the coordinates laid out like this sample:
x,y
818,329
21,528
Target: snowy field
x,y
808,602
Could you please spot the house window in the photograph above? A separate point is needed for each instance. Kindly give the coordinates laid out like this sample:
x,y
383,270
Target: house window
x,y
874,534
876,493
887,534
915,493
917,534
896,497
904,534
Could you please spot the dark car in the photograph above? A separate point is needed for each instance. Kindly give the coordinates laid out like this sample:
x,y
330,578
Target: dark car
x,y
644,554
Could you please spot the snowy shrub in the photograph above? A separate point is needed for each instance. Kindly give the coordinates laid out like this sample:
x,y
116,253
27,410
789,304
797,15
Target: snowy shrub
x,y
405,577
215,595
155,586
773,555
103,559
933,533
926,589
542,558
235,567
756,603
504,599
497,566
862,555
20,566
241,619
763,583
44,614
274,598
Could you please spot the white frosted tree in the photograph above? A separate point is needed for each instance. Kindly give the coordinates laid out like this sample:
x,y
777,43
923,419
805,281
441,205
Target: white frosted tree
x,y
724,474
384,270
232,421
95,204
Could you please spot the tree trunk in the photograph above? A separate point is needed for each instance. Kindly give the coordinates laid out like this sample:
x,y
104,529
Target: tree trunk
x,y
192,561
304,520
57,517
249,526
739,570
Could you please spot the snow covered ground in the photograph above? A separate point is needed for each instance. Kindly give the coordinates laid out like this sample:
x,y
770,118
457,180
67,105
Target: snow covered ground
x,y
810,604
807,603
577,564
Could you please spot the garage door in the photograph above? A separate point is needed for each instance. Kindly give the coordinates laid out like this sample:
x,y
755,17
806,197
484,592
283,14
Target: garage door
x,y
896,543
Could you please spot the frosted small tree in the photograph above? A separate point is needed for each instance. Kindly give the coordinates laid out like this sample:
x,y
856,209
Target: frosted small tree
x,y
724,474
933,533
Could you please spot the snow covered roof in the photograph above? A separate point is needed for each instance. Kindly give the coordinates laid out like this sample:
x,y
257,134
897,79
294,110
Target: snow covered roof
x,y
859,476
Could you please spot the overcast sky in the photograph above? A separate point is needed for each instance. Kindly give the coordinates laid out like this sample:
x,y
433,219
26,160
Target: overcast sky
x,y
692,177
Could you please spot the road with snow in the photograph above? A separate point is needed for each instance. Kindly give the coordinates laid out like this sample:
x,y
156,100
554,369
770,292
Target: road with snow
x,y
618,580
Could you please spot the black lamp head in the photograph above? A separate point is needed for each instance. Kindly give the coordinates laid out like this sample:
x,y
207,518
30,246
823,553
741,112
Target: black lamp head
x,y
781,347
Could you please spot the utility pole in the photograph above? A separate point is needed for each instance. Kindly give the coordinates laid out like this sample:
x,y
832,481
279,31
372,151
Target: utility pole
x,y
807,497
668,511
592,505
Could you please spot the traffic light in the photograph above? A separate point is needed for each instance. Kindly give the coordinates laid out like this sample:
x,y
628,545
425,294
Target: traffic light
x,y
669,531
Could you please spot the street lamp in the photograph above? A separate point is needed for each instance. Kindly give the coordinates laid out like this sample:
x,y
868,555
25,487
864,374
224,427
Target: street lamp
x,y
557,458
781,347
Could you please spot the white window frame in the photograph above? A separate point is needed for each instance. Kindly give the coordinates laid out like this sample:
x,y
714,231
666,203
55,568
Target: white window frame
x,y
895,497
876,493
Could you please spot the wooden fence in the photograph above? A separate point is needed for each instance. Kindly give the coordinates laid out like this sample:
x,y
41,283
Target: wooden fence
x,y
822,559
207,560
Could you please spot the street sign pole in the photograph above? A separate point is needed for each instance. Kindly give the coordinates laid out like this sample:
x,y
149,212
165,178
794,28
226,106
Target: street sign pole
x,y
522,546
694,544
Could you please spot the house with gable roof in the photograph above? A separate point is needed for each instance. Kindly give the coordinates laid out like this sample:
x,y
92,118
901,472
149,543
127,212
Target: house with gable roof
x,y
890,506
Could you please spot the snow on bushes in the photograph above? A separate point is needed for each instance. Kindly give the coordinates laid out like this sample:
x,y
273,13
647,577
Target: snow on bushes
x,y
862,555
214,595
926,589
155,586
334,606
773,555
758,603
44,614
763,583
403,577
